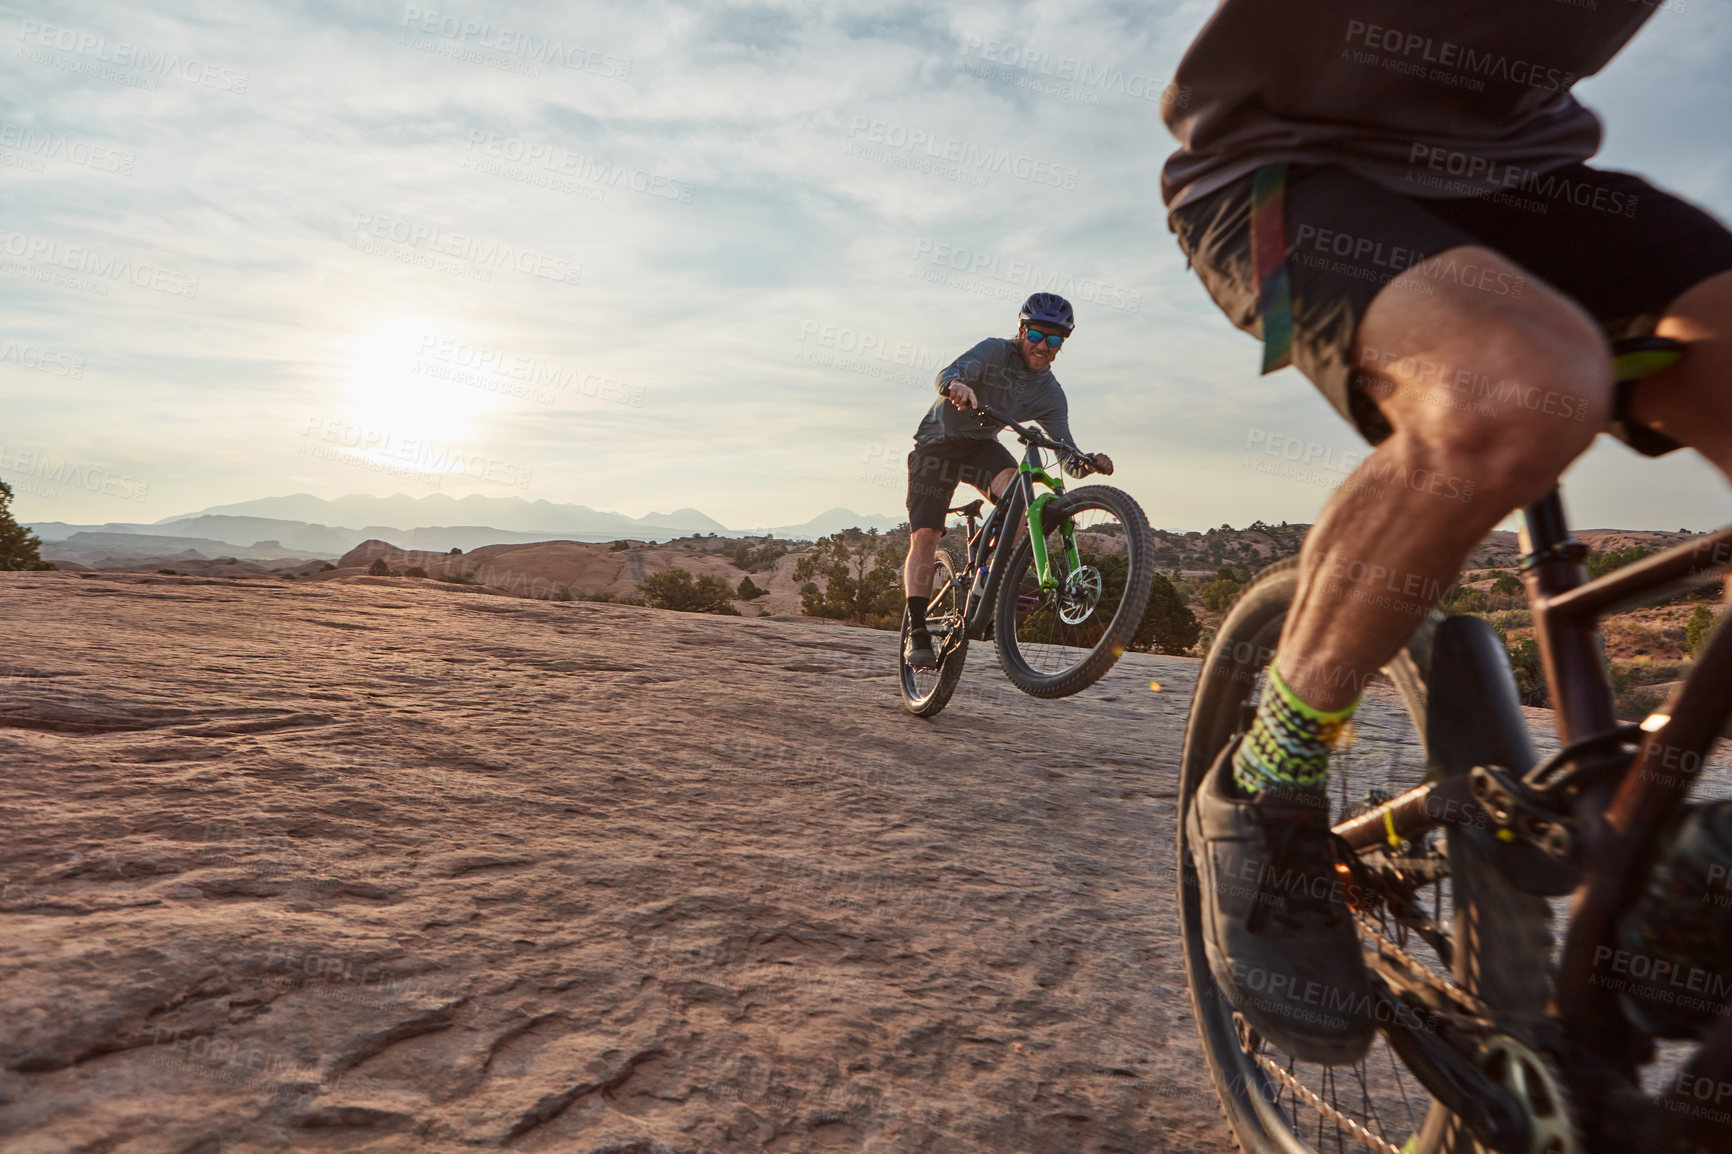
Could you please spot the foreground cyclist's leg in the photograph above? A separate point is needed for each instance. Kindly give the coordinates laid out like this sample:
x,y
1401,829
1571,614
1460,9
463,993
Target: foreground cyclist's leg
x,y
1282,942
1490,399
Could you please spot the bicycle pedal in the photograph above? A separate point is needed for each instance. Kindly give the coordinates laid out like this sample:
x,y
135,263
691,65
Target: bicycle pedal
x,y
1533,847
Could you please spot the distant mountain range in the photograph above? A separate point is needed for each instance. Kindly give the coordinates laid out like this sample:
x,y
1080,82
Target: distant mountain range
x,y
306,526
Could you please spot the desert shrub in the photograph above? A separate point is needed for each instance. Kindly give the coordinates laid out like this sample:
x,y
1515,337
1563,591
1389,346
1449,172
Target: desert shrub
x,y
414,571
619,547
378,568
1599,564
676,589
1524,660
1168,624
752,558
747,591
1696,630
862,580
455,552
18,545
1508,584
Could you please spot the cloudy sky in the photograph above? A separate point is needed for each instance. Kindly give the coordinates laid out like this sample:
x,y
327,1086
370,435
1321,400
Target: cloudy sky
x,y
651,255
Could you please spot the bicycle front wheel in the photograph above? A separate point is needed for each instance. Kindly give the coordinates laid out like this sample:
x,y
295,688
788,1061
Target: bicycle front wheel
x,y
1458,926
1061,636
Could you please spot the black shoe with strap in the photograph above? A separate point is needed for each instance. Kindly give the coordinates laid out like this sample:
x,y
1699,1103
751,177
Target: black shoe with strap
x,y
919,652
1280,938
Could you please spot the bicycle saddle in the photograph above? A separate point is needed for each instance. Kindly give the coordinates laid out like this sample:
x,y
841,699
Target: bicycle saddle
x,y
972,509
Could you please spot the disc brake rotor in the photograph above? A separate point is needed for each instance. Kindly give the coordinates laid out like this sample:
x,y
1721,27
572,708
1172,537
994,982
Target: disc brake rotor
x,y
1082,592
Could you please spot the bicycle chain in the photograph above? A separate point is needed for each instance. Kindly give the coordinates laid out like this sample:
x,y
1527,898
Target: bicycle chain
x,y
1324,1108
1315,1101
1425,973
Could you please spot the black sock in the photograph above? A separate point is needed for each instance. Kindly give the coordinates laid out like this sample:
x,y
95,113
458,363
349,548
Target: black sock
x,y
917,612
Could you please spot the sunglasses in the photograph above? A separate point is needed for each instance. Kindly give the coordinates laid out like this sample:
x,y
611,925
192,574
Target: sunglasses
x,y
1035,336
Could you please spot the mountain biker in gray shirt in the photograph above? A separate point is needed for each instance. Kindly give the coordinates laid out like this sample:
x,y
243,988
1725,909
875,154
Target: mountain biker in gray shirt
x,y
956,445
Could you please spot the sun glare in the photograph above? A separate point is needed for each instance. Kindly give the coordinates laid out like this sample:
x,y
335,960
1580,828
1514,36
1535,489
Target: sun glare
x,y
401,390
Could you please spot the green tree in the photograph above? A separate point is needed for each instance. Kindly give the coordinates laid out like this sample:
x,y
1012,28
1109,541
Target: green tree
x,y
1697,628
1508,584
1599,564
676,589
862,580
18,545
1168,624
378,568
1218,595
747,591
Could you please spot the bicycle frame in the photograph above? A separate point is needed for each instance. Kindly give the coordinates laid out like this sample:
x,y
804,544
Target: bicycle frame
x,y
1624,799
1019,500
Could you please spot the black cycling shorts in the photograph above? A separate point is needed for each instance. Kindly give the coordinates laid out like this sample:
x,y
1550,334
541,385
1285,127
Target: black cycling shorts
x,y
935,470
1621,248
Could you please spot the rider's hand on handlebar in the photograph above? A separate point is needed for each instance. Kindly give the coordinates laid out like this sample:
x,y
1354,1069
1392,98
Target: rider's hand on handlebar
x,y
960,395
1082,464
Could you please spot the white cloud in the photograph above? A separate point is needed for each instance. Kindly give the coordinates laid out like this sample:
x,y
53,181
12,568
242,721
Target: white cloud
x,y
345,184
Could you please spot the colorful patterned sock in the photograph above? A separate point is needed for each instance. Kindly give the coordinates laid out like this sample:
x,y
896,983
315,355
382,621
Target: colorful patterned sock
x,y
1289,742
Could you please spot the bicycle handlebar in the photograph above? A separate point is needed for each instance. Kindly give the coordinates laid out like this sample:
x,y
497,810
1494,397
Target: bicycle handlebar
x,y
1030,436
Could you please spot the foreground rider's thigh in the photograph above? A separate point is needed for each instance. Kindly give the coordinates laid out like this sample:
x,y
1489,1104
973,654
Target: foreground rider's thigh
x,y
1506,388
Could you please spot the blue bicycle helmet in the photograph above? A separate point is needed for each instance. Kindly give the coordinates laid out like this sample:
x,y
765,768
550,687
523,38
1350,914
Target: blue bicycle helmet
x,y
1049,309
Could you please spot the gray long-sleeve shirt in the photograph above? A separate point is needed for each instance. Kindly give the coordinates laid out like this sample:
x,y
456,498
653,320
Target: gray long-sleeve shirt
x,y
996,372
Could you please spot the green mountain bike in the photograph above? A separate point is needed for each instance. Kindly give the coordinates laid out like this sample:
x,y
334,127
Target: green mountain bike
x,y
1062,600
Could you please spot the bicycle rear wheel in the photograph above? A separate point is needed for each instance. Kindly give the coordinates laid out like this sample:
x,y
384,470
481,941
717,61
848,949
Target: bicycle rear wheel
x,y
1053,642
1462,925
926,691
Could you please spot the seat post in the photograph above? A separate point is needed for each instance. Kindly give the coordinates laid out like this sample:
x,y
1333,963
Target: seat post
x,y
1570,649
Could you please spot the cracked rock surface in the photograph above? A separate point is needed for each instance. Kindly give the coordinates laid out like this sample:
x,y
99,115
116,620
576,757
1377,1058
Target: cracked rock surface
x,y
343,867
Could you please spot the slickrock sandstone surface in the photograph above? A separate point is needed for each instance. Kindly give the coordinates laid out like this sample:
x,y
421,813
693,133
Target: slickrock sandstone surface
x,y
351,867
